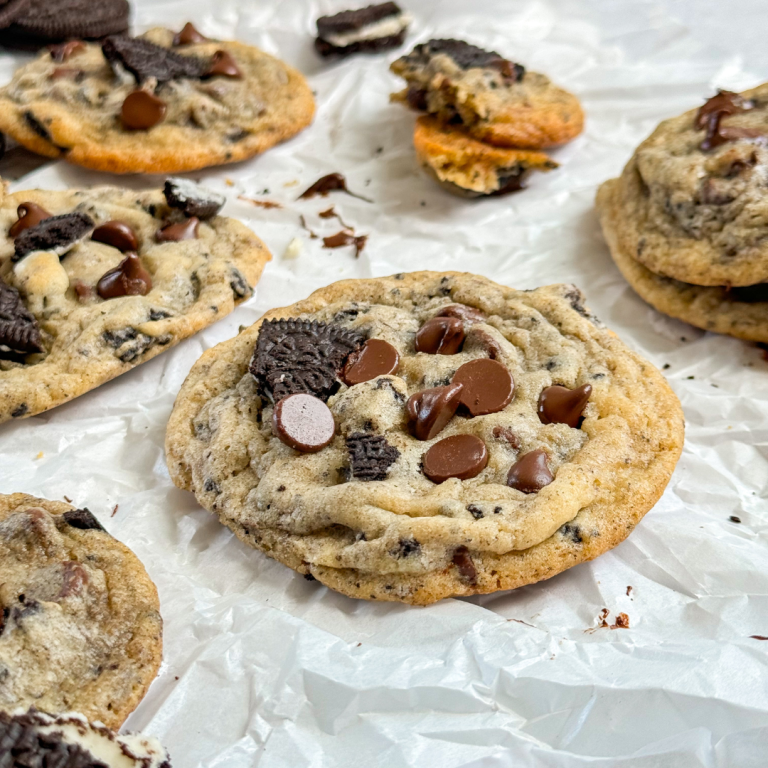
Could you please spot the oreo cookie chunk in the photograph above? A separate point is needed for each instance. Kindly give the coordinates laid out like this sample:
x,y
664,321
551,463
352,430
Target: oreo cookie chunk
x,y
192,199
370,456
366,30
294,356
58,234
70,741
145,60
19,331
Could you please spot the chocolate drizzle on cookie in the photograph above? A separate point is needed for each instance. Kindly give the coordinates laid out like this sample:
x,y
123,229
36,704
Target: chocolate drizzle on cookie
x,y
370,456
19,331
146,60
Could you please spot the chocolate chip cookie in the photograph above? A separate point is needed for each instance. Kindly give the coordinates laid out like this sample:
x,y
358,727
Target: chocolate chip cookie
x,y
94,282
496,100
80,627
481,438
691,203
162,102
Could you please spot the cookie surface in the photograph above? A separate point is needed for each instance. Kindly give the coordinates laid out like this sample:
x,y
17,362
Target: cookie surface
x,y
238,102
495,100
700,216
740,312
329,514
471,168
88,308
81,624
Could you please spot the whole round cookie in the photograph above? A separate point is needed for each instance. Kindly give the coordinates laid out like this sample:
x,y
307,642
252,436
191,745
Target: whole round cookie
x,y
485,438
495,99
81,628
154,104
740,312
470,168
692,198
94,282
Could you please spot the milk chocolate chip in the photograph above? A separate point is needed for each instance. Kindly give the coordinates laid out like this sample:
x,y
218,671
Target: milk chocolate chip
x,y
431,409
487,386
463,562
440,336
184,230
304,422
460,456
530,473
189,35
141,111
560,405
30,215
469,315
117,234
128,278
223,64
375,358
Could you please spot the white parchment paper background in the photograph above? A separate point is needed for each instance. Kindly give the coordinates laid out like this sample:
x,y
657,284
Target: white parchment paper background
x,y
264,668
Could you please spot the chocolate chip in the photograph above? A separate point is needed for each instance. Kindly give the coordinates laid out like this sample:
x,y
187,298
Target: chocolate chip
x,y
345,237
142,110
375,358
440,336
19,330
83,519
146,60
723,103
468,315
370,456
57,234
303,422
333,182
223,65
128,278
718,134
459,456
192,199
301,356
530,473
117,234
189,35
431,409
560,405
487,386
63,51
466,567
183,230
30,215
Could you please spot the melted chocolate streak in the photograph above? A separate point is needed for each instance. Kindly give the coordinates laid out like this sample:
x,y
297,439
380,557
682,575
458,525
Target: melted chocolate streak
x,y
333,182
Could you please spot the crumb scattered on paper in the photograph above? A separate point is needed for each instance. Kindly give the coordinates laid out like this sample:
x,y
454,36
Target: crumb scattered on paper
x,y
294,248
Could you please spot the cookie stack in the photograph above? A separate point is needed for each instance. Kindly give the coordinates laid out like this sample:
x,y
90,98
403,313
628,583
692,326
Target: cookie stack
x,y
487,117
686,222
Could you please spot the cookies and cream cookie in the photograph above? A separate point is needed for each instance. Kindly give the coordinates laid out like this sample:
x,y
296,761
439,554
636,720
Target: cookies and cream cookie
x,y
364,30
494,99
80,627
156,103
96,281
426,435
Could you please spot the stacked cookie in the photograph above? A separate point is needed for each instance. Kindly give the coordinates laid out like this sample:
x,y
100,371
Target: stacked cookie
x,y
686,220
487,117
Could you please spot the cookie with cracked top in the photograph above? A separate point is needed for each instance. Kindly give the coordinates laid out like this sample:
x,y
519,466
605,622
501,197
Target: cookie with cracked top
x,y
146,105
78,591
88,292
342,513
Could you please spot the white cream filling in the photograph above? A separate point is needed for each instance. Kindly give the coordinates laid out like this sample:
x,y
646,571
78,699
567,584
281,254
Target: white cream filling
x,y
392,25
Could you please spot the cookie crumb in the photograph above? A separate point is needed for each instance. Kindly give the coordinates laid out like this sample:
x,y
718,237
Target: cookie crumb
x,y
67,499
294,248
114,510
629,591
734,519
40,455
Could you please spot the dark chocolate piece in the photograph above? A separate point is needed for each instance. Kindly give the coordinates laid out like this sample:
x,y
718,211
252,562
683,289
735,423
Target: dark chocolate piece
x,y
19,330
430,410
189,35
370,456
183,230
57,234
128,278
117,234
30,215
333,182
340,239
560,405
223,64
440,336
463,562
375,358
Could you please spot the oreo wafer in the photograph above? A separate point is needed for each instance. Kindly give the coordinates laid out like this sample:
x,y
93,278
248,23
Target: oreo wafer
x,y
366,30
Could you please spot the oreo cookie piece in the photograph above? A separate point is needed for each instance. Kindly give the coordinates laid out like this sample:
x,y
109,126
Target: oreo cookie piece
x,y
467,56
192,199
58,234
294,356
144,60
82,519
371,29
370,456
19,331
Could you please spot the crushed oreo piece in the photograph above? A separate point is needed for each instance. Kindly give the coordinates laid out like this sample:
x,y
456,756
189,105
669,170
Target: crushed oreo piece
x,y
57,234
144,60
573,532
370,456
19,331
238,283
82,519
192,199
406,548
467,56
293,356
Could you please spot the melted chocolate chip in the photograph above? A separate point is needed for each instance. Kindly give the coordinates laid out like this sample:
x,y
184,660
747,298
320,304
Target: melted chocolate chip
x,y
83,519
375,358
189,35
117,234
142,110
146,60
183,230
57,234
560,405
30,215
723,103
530,473
459,456
224,65
128,278
468,315
431,409
340,239
370,456
63,51
440,336
718,134
333,182
466,567
303,422
487,386
19,330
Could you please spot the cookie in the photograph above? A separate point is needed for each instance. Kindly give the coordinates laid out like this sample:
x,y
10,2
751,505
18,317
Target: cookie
x,y
148,105
81,628
365,30
692,196
740,312
94,282
470,168
435,482
70,741
494,99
